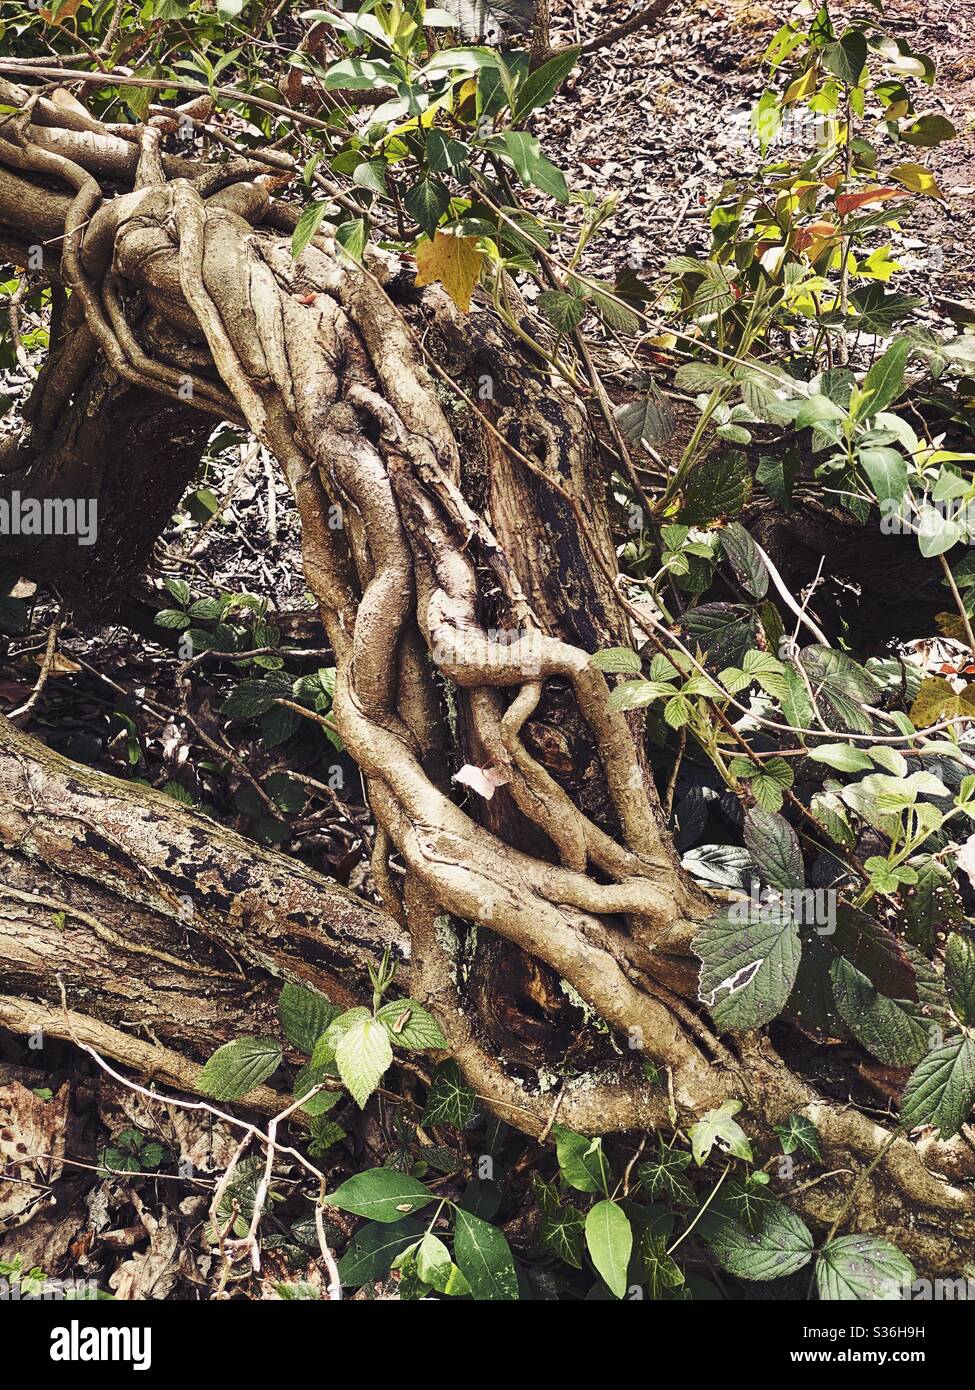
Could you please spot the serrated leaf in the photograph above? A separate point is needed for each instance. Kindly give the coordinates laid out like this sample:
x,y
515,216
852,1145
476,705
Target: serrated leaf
x,y
484,1258
774,849
304,1015
616,660
410,1025
941,1088
960,976
609,1239
891,1029
646,421
363,1055
862,1268
744,559
779,1245
750,956
381,1194
239,1067
563,311
698,377
720,486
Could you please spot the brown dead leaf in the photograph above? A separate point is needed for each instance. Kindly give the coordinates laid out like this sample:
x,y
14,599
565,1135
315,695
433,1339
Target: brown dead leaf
x,y
453,260
31,1151
153,1274
61,665
483,780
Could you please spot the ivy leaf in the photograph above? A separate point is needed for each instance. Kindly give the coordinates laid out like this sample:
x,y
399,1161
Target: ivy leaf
x,y
960,976
410,1025
453,260
609,1239
239,1067
720,1127
362,1056
304,1015
891,1029
941,1088
563,1230
484,1258
858,1268
665,1175
382,1194
799,1133
779,1245
774,849
748,967
450,1100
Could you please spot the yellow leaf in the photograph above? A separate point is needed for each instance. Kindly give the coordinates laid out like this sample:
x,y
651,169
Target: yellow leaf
x,y
936,702
453,260
917,179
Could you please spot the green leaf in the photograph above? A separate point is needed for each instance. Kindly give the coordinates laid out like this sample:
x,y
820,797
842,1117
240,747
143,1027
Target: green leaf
x,y
699,377
750,956
720,1127
444,155
799,1133
359,73
774,848
638,694
372,1250
352,236
616,660
647,421
886,470
845,757
564,1231
581,1160
859,1268
720,486
779,1245
450,1100
484,1258
609,1239
426,202
542,84
744,559
941,1088
885,380
172,618
410,1025
665,1176
891,1029
180,591
304,1015
362,1056
563,311
307,226
960,976
371,175
239,1067
253,698
930,129
532,166
845,58
433,1262
382,1194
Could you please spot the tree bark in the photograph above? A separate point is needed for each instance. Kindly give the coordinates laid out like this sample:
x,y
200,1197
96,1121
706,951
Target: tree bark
x,y
475,574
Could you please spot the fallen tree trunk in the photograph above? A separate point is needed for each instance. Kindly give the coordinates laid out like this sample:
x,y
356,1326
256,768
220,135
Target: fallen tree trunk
x,y
476,563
